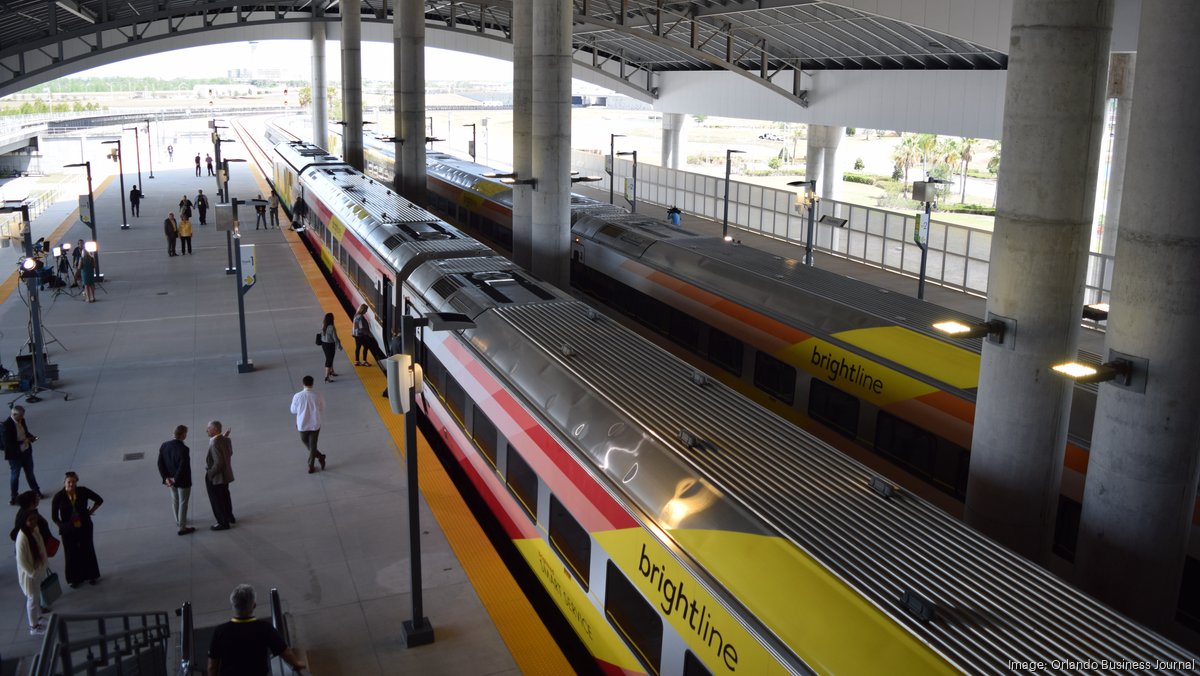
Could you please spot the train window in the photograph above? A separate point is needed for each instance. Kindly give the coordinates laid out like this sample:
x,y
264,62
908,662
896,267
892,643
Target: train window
x,y
1188,611
522,481
456,398
833,407
774,377
484,433
434,371
1066,527
572,541
692,666
725,351
654,313
637,621
905,443
950,468
685,330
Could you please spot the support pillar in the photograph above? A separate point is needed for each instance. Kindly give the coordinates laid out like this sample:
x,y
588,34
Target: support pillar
x,y
814,161
522,39
1120,87
672,129
552,140
1143,466
411,46
352,148
320,101
1053,124
830,177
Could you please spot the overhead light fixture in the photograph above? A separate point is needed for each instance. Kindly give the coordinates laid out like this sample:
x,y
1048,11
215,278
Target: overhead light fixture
x,y
584,179
1097,312
78,10
957,329
499,175
1118,370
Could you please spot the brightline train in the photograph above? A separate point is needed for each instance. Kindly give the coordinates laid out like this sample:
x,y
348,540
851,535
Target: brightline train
x,y
679,527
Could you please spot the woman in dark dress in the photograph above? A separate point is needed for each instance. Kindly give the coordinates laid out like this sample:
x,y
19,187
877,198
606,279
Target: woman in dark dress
x,y
330,344
72,511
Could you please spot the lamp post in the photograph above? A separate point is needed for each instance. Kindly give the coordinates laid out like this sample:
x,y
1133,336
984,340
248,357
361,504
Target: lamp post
x,y
725,221
633,202
245,365
120,172
612,169
217,141
472,148
418,631
808,199
29,273
137,150
149,148
223,177
91,213
923,191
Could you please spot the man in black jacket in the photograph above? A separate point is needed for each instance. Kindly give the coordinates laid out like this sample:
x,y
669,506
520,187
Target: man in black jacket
x,y
135,201
175,468
18,451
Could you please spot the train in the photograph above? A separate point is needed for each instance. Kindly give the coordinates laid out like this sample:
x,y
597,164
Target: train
x,y
679,527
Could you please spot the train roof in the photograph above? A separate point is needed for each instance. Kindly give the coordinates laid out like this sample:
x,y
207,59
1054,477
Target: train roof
x,y
301,154
989,606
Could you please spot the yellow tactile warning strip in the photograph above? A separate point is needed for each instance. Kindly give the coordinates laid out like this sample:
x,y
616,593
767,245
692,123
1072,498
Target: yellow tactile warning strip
x,y
10,283
530,644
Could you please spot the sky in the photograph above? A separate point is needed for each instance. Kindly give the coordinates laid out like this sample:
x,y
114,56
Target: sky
x,y
292,56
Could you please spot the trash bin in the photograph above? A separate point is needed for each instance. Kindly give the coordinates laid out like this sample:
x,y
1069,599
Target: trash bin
x,y
675,216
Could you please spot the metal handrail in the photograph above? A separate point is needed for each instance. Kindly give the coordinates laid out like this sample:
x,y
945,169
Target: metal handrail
x,y
187,638
58,653
279,621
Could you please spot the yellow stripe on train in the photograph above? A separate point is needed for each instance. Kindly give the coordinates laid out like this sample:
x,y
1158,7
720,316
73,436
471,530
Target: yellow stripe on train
x,y
944,362
853,373
589,624
832,628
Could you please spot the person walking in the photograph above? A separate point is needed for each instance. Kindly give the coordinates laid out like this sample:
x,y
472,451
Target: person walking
x,y
260,212
185,233
76,253
218,474
197,164
274,205
72,511
202,207
32,568
135,201
208,161
18,451
361,331
87,276
171,230
308,405
245,645
329,344
185,207
170,153
175,468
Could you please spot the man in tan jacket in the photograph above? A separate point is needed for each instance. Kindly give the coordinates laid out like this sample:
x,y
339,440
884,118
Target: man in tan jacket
x,y
218,475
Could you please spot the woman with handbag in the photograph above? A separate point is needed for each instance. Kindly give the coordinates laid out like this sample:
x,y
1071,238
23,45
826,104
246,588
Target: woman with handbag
x,y
329,344
362,337
30,500
32,568
72,511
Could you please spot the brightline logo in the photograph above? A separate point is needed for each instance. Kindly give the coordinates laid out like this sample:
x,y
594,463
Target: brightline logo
x,y
839,369
675,601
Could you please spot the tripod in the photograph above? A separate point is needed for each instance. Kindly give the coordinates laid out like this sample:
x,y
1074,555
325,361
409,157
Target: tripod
x,y
39,380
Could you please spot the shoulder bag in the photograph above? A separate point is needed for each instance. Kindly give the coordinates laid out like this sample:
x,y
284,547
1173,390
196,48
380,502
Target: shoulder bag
x,y
51,589
319,341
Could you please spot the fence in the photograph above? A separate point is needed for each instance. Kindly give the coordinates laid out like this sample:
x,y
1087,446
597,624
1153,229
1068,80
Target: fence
x,y
958,256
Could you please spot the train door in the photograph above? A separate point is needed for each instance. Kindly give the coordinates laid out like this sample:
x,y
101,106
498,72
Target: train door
x,y
384,311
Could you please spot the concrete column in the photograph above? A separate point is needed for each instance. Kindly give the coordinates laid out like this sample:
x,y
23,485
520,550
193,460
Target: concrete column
x,y
552,140
522,38
831,178
672,128
1053,123
352,149
397,98
412,97
1143,468
1120,87
814,162
320,101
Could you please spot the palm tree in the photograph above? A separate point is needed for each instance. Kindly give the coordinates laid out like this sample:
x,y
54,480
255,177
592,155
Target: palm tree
x,y
927,147
966,149
949,152
905,154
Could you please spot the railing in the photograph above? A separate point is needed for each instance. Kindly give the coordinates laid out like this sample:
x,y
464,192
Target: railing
x,y
187,640
279,621
117,643
958,257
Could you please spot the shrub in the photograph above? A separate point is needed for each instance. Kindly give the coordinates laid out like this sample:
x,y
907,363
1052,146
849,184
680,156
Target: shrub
x,y
851,177
858,164
977,209
851,131
774,163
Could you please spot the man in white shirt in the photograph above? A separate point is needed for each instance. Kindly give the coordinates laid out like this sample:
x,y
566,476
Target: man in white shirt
x,y
307,406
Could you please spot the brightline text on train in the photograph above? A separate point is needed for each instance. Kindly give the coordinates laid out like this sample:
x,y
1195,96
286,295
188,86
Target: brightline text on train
x,y
838,368
697,618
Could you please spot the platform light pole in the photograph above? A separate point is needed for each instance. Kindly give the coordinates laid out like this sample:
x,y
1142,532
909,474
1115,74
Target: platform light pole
x,y
222,197
149,148
728,164
91,214
924,191
223,178
472,148
633,202
137,151
612,168
245,365
29,273
120,172
808,199
418,631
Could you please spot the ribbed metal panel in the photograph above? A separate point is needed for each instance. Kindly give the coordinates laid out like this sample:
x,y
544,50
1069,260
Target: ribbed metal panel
x,y
472,265
992,605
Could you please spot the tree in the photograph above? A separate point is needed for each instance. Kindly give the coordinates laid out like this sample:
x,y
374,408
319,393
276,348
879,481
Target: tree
x,y
966,151
905,154
927,145
305,96
949,153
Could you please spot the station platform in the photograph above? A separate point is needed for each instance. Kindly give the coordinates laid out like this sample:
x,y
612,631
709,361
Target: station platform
x,y
160,348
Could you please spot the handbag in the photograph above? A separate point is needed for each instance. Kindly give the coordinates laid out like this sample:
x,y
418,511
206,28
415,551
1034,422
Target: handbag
x,y
51,589
51,545
319,341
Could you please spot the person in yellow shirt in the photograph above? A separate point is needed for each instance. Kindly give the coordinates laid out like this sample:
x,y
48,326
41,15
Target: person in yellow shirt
x,y
185,235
